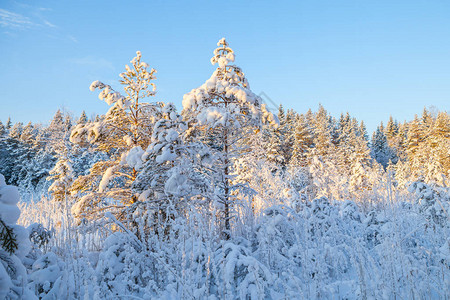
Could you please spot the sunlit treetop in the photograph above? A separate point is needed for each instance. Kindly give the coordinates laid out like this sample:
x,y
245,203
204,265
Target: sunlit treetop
x,y
225,98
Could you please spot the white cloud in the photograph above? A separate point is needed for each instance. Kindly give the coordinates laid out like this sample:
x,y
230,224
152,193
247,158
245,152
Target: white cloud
x,y
30,18
47,23
15,21
12,20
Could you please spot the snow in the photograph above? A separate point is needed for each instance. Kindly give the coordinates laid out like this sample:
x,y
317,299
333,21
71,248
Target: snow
x,y
128,140
175,184
166,155
77,208
212,116
9,197
134,158
5,282
106,178
94,85
171,135
223,61
13,274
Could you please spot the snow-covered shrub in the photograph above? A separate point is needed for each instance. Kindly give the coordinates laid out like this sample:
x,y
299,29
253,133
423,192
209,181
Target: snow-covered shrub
x,y
125,267
46,277
275,236
432,202
373,223
14,246
39,235
241,275
40,238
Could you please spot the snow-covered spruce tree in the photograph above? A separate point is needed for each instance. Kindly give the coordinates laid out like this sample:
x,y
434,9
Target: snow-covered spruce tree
x,y
62,177
82,119
14,245
16,157
415,148
322,135
52,137
16,130
8,124
269,181
381,151
285,136
2,129
325,174
272,140
125,128
164,182
394,138
28,135
302,142
360,165
222,112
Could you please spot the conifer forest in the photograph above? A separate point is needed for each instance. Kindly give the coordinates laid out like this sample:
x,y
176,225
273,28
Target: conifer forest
x,y
222,198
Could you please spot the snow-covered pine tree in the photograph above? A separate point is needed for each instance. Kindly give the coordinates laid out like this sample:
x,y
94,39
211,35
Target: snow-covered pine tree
x,y
124,129
222,112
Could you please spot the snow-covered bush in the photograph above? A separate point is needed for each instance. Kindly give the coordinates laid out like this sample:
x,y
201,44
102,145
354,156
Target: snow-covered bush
x,y
14,246
432,202
241,275
39,235
46,277
126,267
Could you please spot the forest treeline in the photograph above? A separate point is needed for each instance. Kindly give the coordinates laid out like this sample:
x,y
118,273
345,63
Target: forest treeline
x,y
415,150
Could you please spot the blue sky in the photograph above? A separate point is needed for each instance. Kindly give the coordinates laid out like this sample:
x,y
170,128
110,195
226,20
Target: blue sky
x,y
371,58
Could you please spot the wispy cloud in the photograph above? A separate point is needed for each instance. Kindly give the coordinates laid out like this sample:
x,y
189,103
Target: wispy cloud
x,y
30,18
16,21
47,23
72,38
12,20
